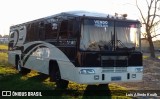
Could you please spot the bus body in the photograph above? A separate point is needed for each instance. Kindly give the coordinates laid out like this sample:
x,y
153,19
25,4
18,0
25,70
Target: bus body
x,y
83,47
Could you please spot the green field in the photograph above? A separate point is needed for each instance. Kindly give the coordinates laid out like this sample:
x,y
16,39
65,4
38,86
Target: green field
x,y
10,79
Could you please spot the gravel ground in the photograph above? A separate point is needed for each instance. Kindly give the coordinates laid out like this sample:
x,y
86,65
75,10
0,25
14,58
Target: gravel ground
x,y
151,78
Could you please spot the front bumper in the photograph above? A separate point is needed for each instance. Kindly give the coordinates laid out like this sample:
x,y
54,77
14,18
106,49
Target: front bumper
x,y
105,75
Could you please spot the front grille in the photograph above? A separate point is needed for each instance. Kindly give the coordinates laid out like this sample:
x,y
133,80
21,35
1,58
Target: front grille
x,y
114,63
114,69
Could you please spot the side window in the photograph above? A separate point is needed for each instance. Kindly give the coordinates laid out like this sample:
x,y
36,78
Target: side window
x,y
68,29
63,30
45,52
41,31
73,29
42,52
37,53
32,32
51,30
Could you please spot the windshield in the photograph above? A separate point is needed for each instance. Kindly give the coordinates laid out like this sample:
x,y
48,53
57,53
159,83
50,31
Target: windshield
x,y
99,35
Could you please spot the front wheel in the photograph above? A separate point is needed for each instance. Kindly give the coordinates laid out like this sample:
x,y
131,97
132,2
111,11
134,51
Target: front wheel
x,y
21,69
60,83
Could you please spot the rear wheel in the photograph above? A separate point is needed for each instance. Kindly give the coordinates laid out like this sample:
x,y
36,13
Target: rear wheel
x,y
21,69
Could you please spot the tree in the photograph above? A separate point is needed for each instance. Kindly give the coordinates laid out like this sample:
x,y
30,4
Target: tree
x,y
150,21
6,36
0,35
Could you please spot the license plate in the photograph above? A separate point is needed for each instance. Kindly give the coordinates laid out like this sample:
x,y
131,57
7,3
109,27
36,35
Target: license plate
x,y
118,78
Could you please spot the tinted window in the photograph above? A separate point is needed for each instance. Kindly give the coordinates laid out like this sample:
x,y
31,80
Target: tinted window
x,y
68,29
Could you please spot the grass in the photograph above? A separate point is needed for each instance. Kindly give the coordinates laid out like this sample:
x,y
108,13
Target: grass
x,y
10,79
3,58
147,57
3,46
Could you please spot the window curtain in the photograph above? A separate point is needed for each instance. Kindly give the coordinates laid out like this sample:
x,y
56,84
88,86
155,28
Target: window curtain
x,y
92,35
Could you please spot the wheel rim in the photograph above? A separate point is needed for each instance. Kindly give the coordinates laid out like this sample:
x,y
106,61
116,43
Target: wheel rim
x,y
19,66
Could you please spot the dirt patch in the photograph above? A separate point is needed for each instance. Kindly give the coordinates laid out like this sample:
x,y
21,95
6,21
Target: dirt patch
x,y
151,77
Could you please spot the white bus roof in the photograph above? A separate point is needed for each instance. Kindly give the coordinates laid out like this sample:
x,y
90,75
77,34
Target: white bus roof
x,y
72,14
85,13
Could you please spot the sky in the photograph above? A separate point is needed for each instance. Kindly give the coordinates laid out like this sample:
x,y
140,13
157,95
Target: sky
x,y
14,12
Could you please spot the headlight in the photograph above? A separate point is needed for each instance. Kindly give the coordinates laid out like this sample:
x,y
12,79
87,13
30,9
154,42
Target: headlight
x,y
87,71
139,70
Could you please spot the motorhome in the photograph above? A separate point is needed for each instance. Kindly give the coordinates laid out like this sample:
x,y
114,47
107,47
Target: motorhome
x,y
83,47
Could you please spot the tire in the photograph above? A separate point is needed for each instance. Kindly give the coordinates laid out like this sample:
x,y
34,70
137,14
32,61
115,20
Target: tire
x,y
22,70
60,83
